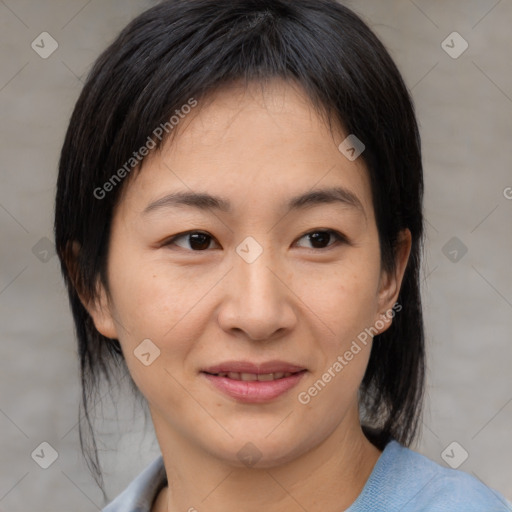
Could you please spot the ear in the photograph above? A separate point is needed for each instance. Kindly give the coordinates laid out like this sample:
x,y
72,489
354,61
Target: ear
x,y
98,307
390,283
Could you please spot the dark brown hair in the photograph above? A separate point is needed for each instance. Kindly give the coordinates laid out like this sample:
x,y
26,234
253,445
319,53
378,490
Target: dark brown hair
x,y
182,49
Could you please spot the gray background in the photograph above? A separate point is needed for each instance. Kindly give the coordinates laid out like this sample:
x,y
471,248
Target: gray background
x,y
464,106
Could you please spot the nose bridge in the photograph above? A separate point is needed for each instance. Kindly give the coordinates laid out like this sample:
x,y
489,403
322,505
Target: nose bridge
x,y
254,280
257,302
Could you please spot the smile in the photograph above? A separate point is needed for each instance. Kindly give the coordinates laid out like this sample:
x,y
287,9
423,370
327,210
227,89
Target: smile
x,y
261,377
253,383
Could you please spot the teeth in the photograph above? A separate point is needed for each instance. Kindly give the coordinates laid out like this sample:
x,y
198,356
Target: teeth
x,y
248,376
262,377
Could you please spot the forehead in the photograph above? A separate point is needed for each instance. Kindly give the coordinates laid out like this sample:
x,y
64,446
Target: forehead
x,y
255,141
276,114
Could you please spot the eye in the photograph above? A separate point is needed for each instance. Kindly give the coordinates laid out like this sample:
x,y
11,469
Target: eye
x,y
320,238
191,240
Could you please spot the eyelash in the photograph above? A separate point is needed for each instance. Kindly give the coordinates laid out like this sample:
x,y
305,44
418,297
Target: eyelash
x,y
339,238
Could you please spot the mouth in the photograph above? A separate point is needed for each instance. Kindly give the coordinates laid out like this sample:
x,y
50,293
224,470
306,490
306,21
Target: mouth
x,y
252,383
251,377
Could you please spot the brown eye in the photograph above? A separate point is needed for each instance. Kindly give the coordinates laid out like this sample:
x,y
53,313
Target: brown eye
x,y
193,240
323,239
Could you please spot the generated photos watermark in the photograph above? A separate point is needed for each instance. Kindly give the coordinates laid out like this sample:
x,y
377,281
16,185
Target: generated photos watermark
x,y
304,397
138,156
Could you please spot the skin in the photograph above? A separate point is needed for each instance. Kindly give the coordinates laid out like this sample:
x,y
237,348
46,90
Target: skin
x,y
297,302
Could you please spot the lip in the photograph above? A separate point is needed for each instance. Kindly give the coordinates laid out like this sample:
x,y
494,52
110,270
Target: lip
x,y
257,368
254,391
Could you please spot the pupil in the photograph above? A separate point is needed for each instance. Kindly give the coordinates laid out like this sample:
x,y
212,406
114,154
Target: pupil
x,y
199,243
321,237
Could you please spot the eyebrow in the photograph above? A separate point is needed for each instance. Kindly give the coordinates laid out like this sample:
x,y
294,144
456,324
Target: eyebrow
x,y
204,201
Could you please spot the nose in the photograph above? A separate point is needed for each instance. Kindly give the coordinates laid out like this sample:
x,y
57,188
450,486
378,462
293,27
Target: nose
x,y
258,301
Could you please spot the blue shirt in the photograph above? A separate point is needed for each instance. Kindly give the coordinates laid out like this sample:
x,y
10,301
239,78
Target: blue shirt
x,y
401,481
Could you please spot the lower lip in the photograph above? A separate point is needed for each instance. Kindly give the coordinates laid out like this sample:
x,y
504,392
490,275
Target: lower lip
x,y
254,391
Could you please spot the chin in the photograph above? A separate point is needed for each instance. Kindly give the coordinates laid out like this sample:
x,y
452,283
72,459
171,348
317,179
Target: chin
x,y
258,451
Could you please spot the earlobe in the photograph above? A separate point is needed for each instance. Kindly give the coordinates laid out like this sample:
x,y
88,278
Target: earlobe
x,y
97,306
100,311
391,282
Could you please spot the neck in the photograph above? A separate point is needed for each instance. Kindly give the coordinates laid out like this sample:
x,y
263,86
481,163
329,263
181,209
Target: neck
x,y
327,478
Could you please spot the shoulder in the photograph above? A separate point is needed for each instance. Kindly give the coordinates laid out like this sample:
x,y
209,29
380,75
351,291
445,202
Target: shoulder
x,y
453,488
142,491
405,480
445,489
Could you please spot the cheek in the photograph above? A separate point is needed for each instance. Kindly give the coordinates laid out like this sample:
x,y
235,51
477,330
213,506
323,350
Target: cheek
x,y
153,296
154,303
343,296
163,303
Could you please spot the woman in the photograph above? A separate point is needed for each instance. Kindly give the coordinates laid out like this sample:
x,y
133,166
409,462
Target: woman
x,y
239,223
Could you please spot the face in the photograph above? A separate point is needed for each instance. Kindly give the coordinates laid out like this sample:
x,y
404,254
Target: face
x,y
257,298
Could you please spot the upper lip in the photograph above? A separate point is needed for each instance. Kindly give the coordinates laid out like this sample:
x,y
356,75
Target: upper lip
x,y
256,368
